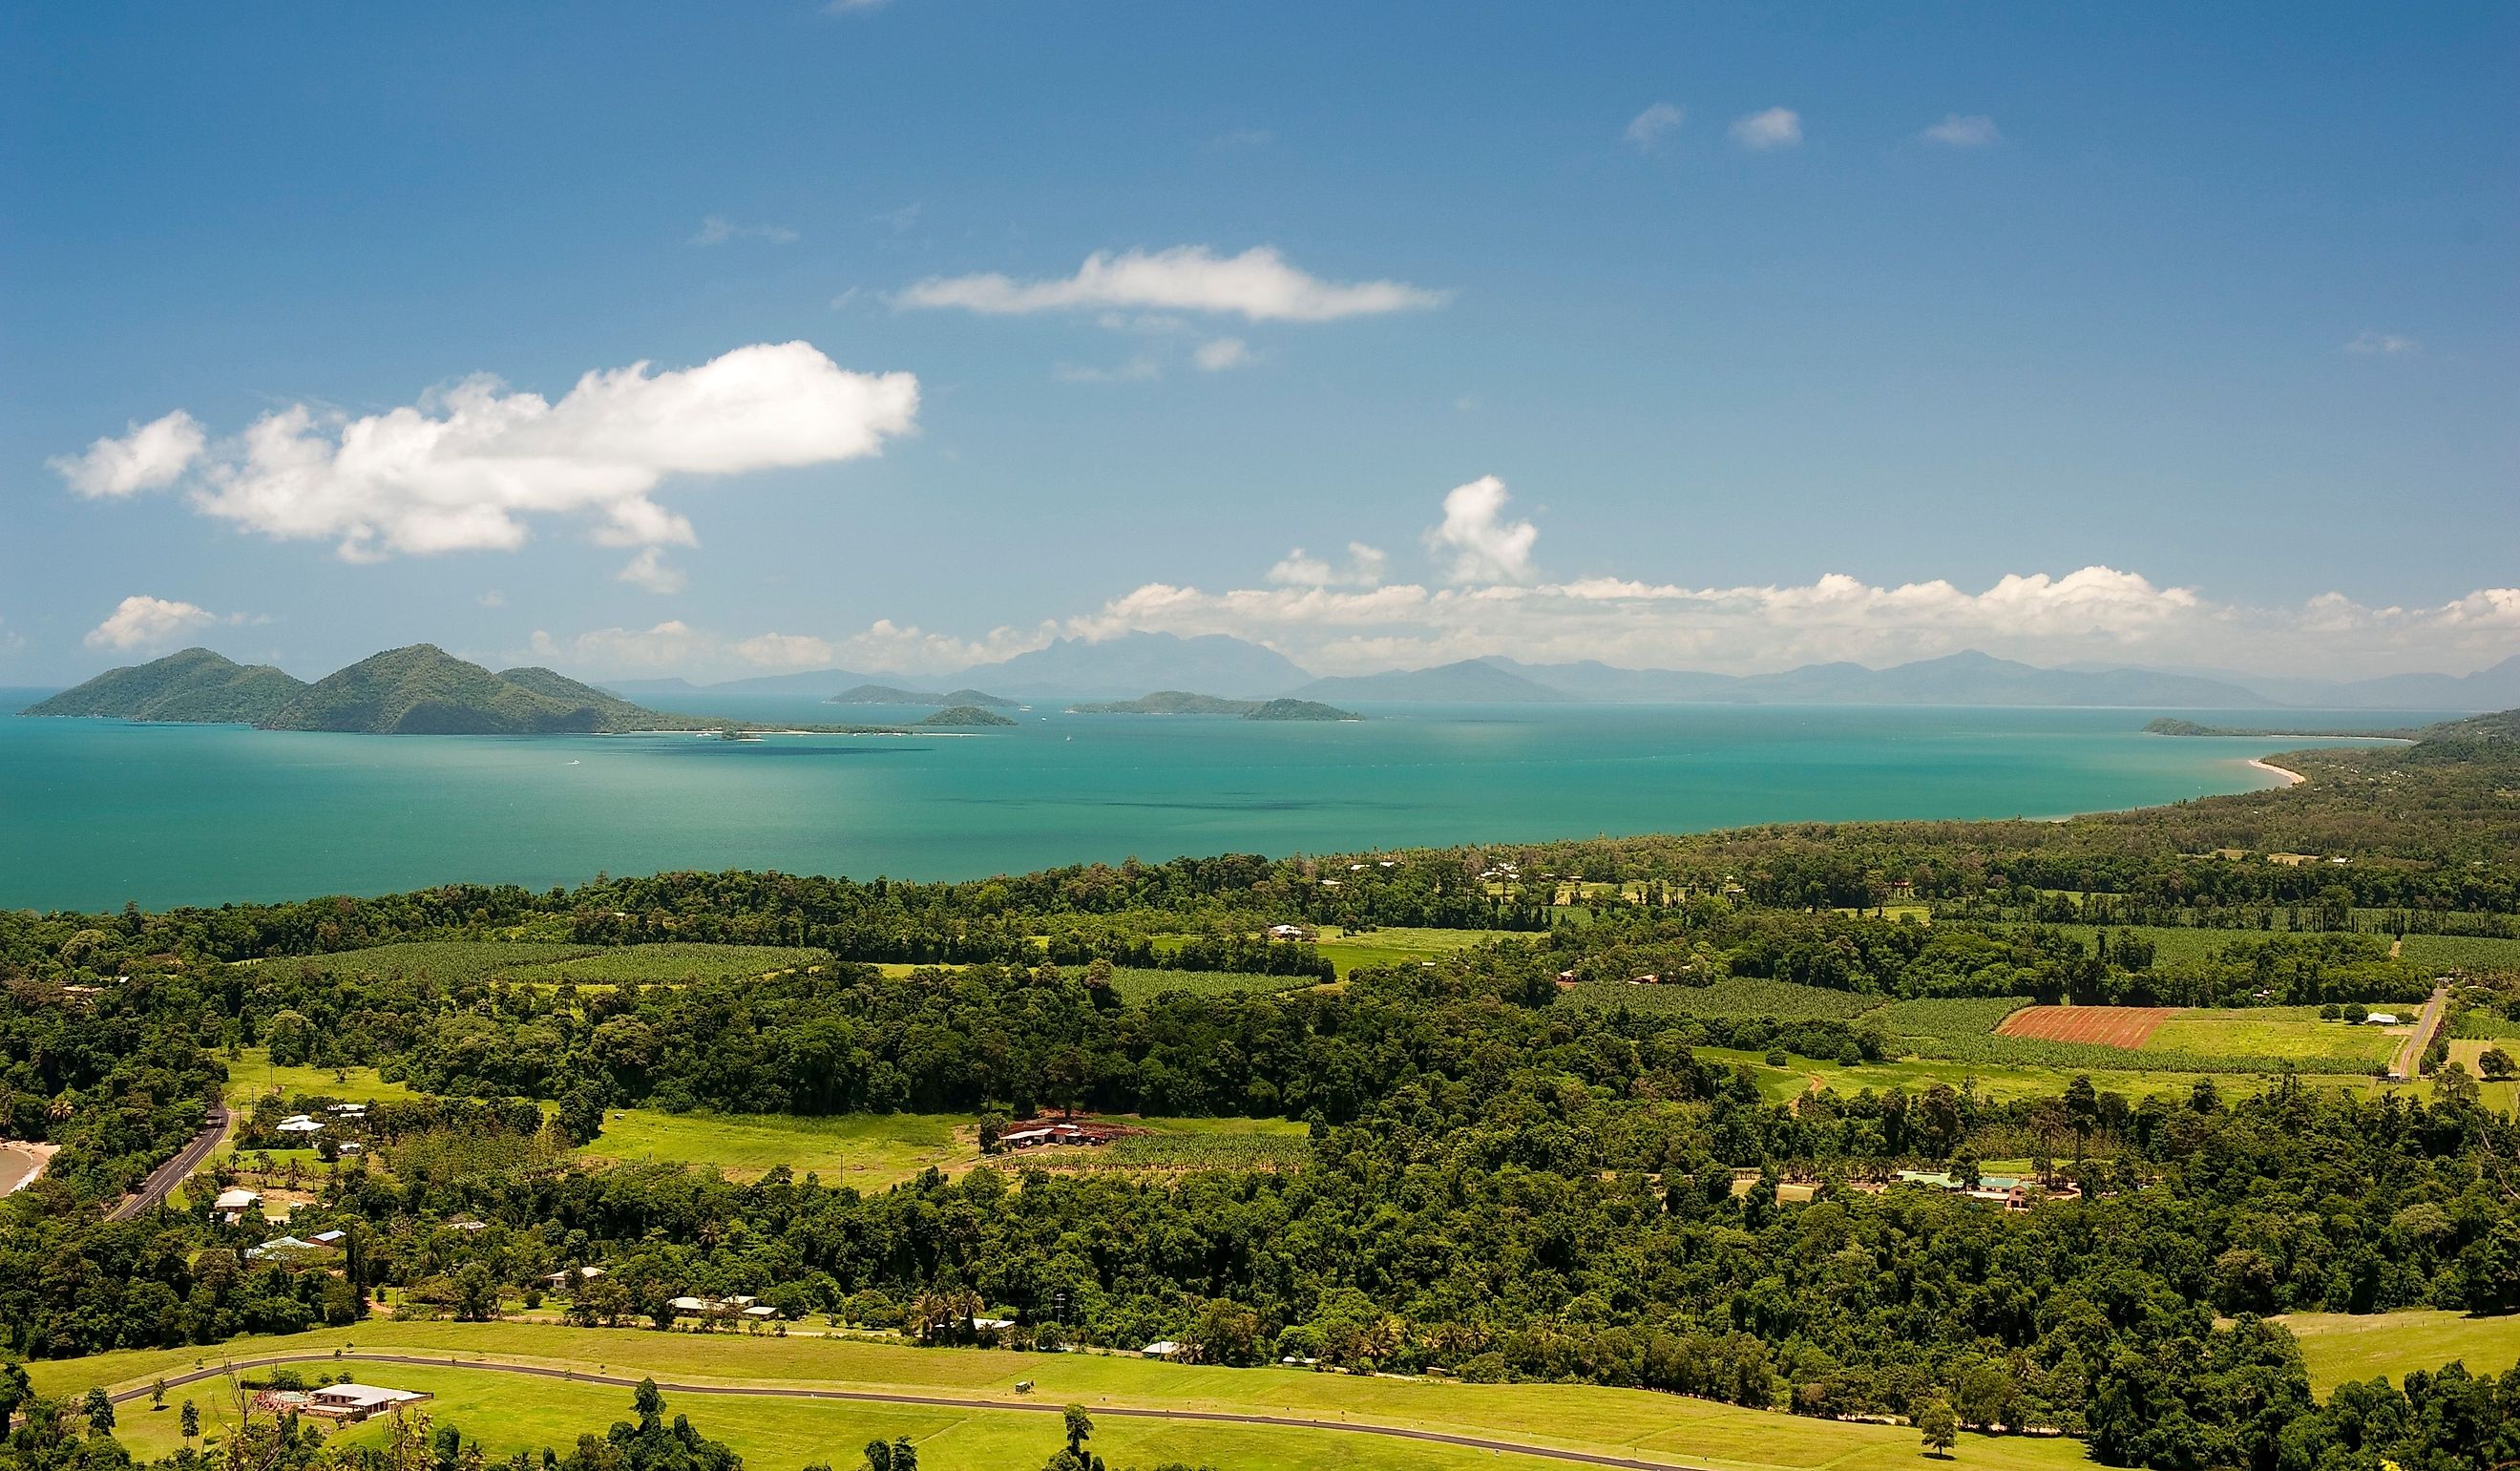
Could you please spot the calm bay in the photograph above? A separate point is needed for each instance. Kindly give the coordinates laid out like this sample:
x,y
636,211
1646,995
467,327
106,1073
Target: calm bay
x,y
98,813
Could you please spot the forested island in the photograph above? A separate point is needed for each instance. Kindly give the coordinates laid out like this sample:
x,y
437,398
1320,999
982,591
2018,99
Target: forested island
x,y
1771,1117
967,715
889,695
1184,702
416,690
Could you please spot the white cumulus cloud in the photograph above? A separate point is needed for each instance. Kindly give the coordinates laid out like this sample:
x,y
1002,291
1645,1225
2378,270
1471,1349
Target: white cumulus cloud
x,y
1259,285
1474,536
144,622
1956,131
151,457
1775,128
465,469
1648,127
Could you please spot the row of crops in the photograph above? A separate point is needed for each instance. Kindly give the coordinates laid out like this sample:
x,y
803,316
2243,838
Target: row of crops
x,y
1735,998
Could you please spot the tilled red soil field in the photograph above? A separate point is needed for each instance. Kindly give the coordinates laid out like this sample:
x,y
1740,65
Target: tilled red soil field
x,y
2108,1026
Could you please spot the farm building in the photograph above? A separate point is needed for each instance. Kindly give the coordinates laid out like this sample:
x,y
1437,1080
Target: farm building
x,y
1288,932
722,1307
571,1276
298,1123
2383,1019
1161,1348
353,1402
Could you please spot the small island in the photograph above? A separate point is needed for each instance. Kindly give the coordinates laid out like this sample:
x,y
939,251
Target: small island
x,y
1184,702
889,695
965,715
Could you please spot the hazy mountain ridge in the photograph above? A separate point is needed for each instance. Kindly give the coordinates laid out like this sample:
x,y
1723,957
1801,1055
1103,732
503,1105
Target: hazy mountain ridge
x,y
1467,683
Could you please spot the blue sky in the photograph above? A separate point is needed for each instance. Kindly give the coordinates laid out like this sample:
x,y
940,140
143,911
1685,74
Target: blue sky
x,y
2179,335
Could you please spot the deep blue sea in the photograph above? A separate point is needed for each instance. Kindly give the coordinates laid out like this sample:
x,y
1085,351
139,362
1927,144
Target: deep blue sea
x,y
97,812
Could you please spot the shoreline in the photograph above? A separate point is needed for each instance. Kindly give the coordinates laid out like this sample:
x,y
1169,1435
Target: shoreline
x,y
2290,777
34,1157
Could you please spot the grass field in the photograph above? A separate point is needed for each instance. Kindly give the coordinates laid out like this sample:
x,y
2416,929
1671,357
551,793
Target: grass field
x,y
666,965
541,963
511,1413
2341,1348
877,1151
251,1074
1396,946
2005,1082
2293,1032
1784,1001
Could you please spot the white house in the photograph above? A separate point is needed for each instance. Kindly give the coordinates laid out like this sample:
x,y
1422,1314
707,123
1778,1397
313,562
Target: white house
x,y
353,1402
298,1123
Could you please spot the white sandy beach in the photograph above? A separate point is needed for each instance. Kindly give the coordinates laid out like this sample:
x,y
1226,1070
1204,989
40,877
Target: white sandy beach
x,y
2290,777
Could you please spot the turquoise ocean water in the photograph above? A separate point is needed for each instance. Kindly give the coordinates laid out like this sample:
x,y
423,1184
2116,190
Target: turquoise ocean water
x,y
97,812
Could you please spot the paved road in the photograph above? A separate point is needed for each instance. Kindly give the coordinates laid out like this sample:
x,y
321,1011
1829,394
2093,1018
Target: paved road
x,y
167,1177
937,1402
2410,1057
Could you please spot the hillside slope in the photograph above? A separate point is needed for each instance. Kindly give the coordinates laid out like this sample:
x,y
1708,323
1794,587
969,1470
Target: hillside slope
x,y
193,684
423,691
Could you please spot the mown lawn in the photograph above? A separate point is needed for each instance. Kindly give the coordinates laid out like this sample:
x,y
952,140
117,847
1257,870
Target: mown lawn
x,y
511,1413
2342,1348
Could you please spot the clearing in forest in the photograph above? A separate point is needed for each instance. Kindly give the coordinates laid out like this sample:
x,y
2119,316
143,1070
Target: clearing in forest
x,y
2105,1026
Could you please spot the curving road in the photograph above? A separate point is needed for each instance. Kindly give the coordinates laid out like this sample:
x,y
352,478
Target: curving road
x,y
166,1177
936,1401
2411,1056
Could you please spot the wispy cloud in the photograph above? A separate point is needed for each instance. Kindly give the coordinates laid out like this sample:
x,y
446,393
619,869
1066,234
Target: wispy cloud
x,y
649,569
899,220
1648,127
1957,131
468,467
1259,285
718,230
1765,132
1220,353
1141,369
2384,344
1299,568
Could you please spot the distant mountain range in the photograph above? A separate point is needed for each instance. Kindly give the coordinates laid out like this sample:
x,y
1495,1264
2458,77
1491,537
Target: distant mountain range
x,y
197,684
418,691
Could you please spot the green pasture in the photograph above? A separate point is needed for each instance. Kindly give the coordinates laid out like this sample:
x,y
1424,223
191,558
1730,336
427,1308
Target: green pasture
x,y
877,1151
511,1413
2000,1082
871,1151
2342,1348
252,1074
2288,1032
1396,945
